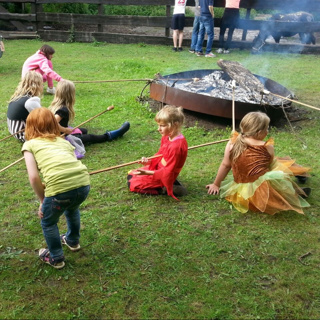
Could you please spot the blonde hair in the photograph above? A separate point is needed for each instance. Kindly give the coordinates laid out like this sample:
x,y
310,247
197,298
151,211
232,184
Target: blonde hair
x,y
251,125
172,116
65,96
41,123
30,85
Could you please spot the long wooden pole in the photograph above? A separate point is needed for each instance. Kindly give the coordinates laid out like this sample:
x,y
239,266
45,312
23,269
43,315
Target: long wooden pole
x,y
97,115
157,156
233,107
128,80
295,101
11,135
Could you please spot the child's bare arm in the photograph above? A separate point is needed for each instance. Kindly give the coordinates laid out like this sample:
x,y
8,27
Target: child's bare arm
x,y
34,176
224,169
65,130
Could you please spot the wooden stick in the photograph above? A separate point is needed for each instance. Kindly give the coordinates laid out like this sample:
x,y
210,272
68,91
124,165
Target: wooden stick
x,y
101,81
233,108
99,114
148,80
303,104
157,156
11,135
11,165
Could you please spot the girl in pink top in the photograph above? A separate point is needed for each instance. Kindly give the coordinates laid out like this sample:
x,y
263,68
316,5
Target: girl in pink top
x,y
41,62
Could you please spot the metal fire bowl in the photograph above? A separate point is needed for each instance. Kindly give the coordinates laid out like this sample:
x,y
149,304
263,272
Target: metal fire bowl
x,y
166,93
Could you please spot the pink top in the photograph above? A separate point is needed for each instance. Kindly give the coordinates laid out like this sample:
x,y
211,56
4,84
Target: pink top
x,y
233,4
39,62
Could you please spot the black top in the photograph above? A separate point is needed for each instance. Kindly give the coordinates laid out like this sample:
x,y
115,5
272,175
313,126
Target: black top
x,y
17,109
64,114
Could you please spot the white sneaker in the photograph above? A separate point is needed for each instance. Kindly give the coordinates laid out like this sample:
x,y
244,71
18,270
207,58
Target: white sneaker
x,y
219,50
210,55
51,90
226,51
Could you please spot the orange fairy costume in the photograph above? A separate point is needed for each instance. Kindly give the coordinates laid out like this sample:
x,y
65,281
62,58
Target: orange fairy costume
x,y
262,183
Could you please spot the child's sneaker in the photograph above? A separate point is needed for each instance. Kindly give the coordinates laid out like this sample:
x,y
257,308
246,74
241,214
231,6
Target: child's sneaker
x,y
72,248
220,50
210,55
44,255
174,49
180,49
51,90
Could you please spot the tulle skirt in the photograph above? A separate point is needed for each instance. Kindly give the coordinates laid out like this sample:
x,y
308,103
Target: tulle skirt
x,y
273,192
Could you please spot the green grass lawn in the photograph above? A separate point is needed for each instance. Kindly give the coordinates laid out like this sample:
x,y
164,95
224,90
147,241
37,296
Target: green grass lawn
x,y
153,257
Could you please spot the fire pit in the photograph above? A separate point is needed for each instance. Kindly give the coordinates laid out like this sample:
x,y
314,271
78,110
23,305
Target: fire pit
x,y
210,92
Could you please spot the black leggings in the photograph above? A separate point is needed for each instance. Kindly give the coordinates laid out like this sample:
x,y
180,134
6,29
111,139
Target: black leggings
x,y
91,138
229,20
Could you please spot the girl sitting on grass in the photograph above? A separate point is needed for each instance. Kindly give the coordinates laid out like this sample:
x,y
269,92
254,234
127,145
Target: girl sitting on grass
x,y
62,107
260,182
163,171
66,183
25,98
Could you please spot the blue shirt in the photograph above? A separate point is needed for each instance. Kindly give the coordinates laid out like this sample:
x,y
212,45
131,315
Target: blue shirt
x,y
204,7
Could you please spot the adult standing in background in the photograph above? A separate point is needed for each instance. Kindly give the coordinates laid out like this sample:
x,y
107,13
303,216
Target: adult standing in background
x,y
178,23
206,26
196,27
230,19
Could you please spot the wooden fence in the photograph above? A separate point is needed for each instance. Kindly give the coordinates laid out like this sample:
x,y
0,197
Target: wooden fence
x,y
89,28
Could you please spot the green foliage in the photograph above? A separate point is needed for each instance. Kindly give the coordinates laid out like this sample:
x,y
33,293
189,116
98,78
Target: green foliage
x,y
135,10
72,35
81,8
147,257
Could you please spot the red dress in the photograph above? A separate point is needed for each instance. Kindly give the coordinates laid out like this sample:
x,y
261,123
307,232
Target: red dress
x,y
166,168
262,183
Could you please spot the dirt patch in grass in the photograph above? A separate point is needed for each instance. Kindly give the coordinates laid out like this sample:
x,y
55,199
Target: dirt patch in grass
x,y
208,122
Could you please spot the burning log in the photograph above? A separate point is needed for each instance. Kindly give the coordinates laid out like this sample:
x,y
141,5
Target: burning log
x,y
241,75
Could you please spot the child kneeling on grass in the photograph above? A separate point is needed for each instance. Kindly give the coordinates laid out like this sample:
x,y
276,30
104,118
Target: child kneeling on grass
x,y
160,173
66,183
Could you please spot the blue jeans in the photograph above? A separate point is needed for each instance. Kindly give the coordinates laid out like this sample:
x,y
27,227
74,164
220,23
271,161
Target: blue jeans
x,y
206,26
52,208
195,32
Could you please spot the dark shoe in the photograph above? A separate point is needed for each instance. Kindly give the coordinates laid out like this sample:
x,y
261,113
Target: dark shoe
x,y
199,54
180,49
302,179
179,191
174,49
307,192
44,255
119,132
192,51
72,248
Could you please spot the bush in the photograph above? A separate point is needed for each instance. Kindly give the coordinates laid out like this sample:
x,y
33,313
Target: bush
x,y
81,8
135,10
